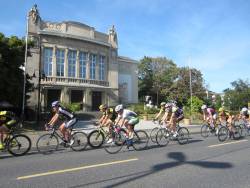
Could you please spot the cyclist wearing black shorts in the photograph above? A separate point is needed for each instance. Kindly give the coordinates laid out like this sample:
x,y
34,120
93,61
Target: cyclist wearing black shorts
x,y
69,121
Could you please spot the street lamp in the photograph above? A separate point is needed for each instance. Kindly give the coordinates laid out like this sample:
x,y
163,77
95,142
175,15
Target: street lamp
x,y
24,67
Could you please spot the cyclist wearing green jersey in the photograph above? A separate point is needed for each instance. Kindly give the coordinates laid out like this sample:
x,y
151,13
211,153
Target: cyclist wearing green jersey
x,y
7,119
127,118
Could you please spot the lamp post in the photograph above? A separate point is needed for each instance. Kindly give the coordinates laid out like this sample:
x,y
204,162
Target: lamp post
x,y
24,68
191,91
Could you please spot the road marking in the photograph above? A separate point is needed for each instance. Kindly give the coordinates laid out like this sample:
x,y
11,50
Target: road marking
x,y
236,142
75,169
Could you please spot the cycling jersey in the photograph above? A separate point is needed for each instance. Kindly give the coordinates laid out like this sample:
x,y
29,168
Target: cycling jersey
x,y
211,111
7,118
127,114
130,116
179,112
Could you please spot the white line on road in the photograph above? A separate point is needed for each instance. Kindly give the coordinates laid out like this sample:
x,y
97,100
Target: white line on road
x,y
236,142
75,169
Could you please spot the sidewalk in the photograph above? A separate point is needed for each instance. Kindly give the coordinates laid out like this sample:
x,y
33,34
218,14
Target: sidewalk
x,y
87,127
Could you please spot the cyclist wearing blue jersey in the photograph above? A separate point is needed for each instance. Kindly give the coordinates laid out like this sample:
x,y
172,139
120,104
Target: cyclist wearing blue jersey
x,y
69,119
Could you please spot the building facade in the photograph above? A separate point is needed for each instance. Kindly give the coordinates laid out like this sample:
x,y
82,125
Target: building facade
x,y
74,63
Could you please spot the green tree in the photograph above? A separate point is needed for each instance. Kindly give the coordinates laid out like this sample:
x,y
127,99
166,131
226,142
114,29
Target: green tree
x,y
156,76
12,52
181,86
238,96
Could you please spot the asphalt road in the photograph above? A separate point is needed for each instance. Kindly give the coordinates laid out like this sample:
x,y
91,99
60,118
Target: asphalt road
x,y
203,163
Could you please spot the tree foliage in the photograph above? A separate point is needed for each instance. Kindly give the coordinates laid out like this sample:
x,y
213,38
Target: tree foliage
x,y
162,79
12,51
238,96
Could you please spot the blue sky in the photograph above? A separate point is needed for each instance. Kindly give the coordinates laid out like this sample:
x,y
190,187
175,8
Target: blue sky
x,y
210,35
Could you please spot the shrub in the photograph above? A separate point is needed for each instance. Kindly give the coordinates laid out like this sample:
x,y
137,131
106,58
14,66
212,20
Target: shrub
x,y
74,107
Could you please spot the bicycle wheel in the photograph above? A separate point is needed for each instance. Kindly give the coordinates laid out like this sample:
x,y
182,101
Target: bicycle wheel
x,y
80,141
205,131
223,134
140,140
115,146
19,145
122,135
47,143
244,130
153,134
162,137
96,139
237,132
183,135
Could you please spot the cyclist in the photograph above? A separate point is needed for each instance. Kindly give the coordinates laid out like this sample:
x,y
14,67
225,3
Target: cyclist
x,y
162,111
244,115
225,116
128,118
69,121
7,119
109,123
173,115
103,108
209,115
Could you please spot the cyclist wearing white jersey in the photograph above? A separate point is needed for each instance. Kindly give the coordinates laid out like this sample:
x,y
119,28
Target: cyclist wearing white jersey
x,y
69,119
128,118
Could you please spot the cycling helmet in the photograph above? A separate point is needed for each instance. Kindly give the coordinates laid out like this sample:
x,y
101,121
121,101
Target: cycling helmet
x,y
244,109
163,104
203,107
118,108
55,104
103,106
109,111
221,109
168,105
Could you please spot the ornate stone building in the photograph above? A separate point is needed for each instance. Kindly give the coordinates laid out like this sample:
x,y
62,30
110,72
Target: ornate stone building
x,y
72,62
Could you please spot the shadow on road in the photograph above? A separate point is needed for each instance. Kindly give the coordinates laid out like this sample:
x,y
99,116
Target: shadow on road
x,y
179,159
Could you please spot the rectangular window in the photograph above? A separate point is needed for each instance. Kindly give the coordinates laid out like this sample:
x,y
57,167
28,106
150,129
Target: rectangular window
x,y
60,62
102,68
47,61
82,62
71,63
92,66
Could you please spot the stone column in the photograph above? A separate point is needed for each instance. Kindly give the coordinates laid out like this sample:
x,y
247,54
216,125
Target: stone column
x,y
87,99
66,63
77,65
54,61
65,95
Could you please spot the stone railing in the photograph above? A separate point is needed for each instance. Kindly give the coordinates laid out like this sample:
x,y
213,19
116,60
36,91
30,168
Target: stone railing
x,y
77,81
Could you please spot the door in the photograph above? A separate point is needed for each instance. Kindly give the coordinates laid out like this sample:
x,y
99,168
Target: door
x,y
53,95
76,96
96,100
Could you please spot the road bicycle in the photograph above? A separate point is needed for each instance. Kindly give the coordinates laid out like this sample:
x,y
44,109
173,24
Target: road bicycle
x,y
154,131
97,137
164,135
208,130
15,143
245,128
138,142
49,142
224,133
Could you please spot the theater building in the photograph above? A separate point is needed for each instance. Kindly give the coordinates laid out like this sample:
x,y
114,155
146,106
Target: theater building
x,y
74,63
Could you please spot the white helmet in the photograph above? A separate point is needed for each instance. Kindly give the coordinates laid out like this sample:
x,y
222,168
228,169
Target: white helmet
x,y
244,109
119,108
168,105
55,104
203,107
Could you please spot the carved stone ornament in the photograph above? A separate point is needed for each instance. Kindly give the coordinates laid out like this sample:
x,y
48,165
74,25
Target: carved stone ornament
x,y
34,14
